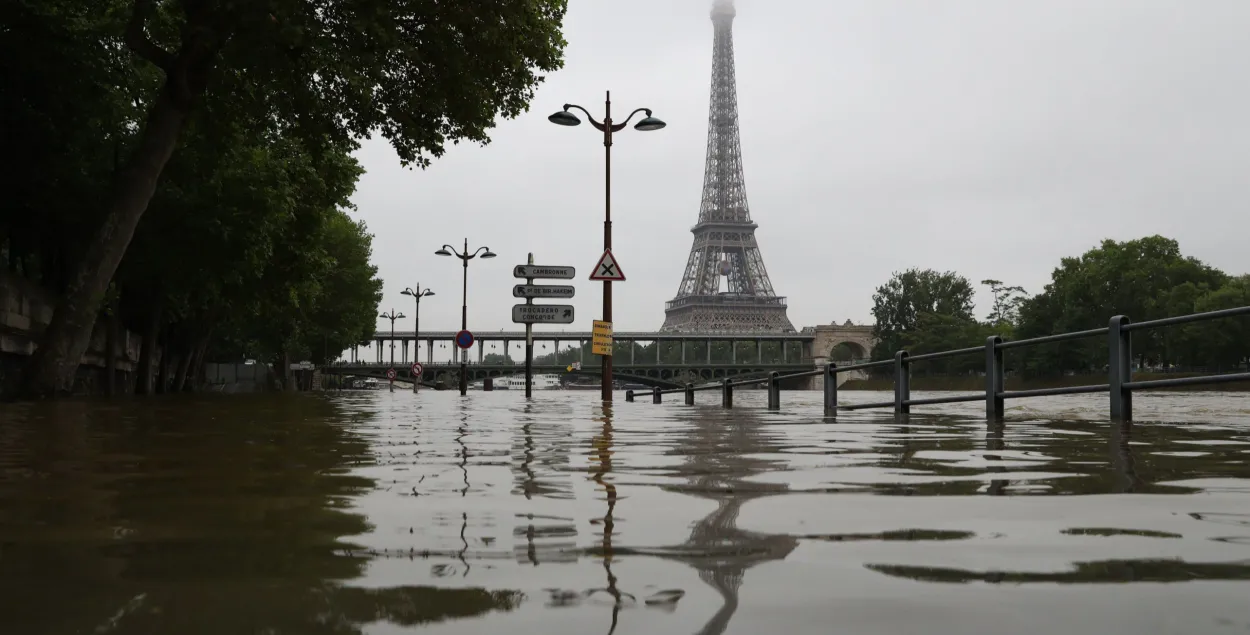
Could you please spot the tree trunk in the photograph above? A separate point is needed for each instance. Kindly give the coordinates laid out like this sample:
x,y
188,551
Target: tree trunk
x,y
195,377
184,364
143,374
162,373
110,354
51,369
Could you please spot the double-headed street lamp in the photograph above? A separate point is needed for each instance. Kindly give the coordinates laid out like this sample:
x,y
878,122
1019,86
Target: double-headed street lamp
x,y
392,316
648,123
416,333
465,257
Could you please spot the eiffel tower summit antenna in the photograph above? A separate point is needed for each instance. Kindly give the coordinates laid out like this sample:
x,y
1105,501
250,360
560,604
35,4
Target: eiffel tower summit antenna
x,y
724,238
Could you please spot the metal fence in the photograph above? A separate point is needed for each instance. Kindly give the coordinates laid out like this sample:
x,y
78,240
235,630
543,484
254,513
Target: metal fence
x,y
1120,385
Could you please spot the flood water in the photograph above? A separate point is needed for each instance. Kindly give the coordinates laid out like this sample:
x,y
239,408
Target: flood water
x,y
381,513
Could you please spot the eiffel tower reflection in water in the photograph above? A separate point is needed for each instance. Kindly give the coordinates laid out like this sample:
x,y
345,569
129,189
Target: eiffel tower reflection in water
x,y
722,450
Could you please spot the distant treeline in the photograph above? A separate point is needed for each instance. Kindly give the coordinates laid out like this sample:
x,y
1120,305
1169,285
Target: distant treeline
x,y
1145,279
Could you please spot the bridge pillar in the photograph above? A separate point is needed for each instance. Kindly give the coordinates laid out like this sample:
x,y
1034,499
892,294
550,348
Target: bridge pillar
x,y
682,341
379,347
709,350
818,382
429,351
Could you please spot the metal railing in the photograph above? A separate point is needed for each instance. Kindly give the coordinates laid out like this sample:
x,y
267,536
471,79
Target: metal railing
x,y
1120,385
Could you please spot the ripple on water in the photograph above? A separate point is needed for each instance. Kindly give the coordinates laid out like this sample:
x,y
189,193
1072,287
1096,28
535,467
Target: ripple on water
x,y
377,511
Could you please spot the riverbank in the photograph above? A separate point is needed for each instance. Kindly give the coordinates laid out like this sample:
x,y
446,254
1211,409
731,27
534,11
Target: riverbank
x,y
973,383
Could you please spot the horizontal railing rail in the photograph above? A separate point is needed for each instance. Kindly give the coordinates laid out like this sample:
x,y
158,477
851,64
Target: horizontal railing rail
x,y
1120,385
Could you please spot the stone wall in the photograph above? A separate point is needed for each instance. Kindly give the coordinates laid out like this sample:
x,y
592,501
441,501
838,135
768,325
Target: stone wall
x,y
236,378
25,310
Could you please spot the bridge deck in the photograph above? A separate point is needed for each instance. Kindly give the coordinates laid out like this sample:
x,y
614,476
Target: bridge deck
x,y
573,336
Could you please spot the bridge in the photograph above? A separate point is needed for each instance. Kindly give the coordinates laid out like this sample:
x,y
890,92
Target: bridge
x,y
647,374
692,351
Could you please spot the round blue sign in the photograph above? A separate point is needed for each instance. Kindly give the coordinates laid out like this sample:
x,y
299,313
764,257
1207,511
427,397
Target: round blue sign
x,y
464,339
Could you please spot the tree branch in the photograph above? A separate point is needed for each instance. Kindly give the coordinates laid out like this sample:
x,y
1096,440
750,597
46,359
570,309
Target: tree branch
x,y
138,41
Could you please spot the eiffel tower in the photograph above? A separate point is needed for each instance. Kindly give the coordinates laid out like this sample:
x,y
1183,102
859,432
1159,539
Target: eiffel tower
x,y
724,239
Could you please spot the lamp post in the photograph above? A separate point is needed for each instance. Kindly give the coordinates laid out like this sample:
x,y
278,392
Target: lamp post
x,y
648,123
392,316
416,333
464,257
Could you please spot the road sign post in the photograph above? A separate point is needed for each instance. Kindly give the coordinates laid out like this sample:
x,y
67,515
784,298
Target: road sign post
x,y
607,271
530,313
529,331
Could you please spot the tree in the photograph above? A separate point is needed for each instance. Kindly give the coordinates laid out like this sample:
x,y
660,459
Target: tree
x,y
1138,278
326,73
1007,301
899,306
1226,342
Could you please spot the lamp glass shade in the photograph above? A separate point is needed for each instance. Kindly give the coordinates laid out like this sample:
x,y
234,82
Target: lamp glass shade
x,y
564,118
649,124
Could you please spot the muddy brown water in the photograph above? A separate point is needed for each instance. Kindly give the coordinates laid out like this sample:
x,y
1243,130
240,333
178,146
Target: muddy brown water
x,y
380,513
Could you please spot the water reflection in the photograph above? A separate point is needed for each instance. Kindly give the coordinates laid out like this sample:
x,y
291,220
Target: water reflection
x,y
213,516
602,453
722,451
372,512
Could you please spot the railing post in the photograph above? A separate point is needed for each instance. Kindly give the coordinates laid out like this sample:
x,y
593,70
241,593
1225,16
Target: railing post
x,y
689,394
629,396
774,391
1120,368
831,390
995,379
655,394
902,383
727,393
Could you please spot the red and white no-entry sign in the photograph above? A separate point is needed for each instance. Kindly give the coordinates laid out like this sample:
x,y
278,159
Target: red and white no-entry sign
x,y
390,373
416,369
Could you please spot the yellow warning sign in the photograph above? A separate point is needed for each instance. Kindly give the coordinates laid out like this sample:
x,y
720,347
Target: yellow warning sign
x,y
601,342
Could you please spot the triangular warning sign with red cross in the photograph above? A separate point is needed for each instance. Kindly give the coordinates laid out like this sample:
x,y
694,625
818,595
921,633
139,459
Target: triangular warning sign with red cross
x,y
607,270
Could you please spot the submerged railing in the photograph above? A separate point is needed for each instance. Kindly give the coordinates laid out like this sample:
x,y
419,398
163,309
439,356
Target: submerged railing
x,y
1120,385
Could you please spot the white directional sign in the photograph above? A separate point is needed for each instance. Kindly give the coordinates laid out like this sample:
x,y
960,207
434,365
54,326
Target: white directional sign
x,y
608,270
544,271
542,314
543,291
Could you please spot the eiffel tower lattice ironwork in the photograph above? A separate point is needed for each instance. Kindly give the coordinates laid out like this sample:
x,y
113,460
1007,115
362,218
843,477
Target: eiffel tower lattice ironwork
x,y
724,238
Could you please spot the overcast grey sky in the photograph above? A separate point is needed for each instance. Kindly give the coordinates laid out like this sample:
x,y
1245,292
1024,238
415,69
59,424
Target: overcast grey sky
x,y
987,137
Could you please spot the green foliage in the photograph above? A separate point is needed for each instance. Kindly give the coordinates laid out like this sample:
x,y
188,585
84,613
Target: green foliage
x,y
1145,279
421,74
65,114
914,299
237,112
1007,302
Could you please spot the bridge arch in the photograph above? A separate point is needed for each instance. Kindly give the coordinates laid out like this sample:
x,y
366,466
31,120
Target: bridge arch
x,y
843,342
846,351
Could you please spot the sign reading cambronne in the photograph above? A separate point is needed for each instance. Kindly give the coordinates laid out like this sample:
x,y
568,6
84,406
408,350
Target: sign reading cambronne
x,y
544,271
